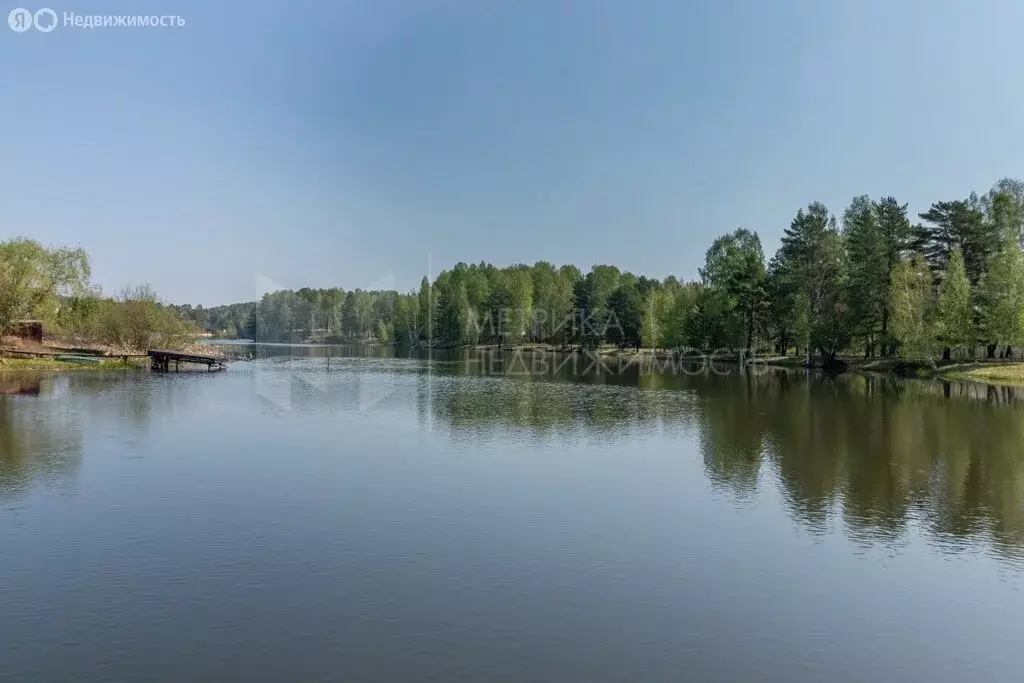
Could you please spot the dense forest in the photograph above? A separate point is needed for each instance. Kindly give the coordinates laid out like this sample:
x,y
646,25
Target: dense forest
x,y
868,281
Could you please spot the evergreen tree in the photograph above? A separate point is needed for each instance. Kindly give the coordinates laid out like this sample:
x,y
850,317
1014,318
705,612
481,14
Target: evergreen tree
x,y
876,235
814,264
780,289
427,310
626,309
951,225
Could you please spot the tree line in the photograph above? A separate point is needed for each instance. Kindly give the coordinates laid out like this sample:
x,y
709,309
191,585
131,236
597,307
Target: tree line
x,y
868,281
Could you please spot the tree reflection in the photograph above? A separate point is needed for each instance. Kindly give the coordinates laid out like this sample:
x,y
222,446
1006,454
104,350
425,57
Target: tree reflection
x,y
38,445
872,452
42,424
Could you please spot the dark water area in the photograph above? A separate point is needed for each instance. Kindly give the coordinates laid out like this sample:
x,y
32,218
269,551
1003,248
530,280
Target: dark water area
x,y
357,514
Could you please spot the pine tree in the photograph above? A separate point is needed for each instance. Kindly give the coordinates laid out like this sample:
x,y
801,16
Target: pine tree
x,y
815,265
953,225
896,235
868,283
427,309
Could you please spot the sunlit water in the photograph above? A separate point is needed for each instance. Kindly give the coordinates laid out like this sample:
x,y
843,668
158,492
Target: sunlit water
x,y
305,518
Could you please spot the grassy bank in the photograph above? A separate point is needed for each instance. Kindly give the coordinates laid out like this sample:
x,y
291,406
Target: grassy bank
x,y
21,354
998,372
51,364
1004,373
995,372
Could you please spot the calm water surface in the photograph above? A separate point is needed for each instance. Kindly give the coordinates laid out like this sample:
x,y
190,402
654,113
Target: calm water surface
x,y
362,518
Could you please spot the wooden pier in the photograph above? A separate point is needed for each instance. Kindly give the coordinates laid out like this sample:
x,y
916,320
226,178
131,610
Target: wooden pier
x,y
162,360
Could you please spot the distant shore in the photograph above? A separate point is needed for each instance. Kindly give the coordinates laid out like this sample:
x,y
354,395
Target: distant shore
x,y
997,372
992,372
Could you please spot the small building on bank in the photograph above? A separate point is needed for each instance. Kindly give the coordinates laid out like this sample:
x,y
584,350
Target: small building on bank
x,y
29,330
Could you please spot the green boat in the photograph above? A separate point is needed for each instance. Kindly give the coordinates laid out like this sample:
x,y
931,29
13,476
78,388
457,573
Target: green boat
x,y
81,360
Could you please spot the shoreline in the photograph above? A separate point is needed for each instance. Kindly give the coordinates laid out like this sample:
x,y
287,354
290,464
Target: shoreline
x,y
988,372
43,357
53,365
997,372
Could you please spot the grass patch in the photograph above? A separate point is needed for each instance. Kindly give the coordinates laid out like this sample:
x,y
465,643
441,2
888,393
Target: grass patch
x,y
989,373
50,364
781,361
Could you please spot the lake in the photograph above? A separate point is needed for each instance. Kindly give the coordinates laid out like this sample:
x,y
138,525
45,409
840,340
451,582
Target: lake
x,y
360,515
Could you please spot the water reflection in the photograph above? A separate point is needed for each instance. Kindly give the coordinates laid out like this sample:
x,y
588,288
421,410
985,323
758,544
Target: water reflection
x,y
44,419
878,456
38,447
20,384
874,453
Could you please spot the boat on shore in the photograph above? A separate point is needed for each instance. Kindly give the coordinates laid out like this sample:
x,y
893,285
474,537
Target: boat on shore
x,y
80,360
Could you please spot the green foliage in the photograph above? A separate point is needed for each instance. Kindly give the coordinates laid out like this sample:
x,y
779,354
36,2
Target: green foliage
x,y
955,315
427,310
53,285
802,322
137,320
407,316
956,225
1002,294
78,314
34,277
519,289
456,319
821,291
876,236
780,290
651,331
626,307
912,306
708,324
734,271
1004,208
591,295
812,270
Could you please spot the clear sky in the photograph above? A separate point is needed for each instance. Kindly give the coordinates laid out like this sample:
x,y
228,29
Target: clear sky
x,y
352,143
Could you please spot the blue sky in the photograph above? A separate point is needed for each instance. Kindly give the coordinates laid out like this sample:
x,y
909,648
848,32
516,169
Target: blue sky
x,y
352,143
